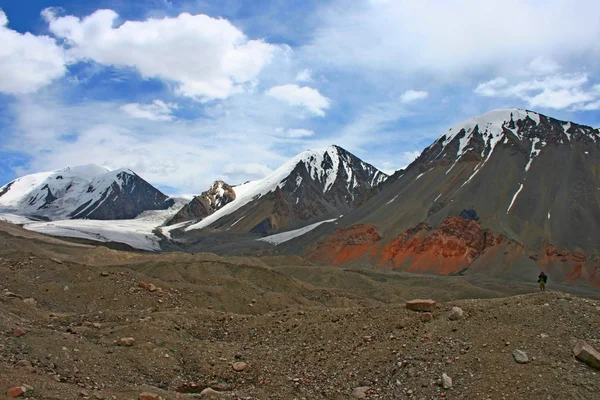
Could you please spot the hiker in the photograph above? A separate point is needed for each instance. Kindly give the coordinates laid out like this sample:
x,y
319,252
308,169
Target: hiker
x,y
542,279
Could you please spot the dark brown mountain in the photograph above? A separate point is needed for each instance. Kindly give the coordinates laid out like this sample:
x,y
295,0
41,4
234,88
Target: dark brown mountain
x,y
506,194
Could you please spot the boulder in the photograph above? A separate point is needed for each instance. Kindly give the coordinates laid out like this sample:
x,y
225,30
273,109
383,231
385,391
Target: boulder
x,y
456,313
585,352
427,317
421,305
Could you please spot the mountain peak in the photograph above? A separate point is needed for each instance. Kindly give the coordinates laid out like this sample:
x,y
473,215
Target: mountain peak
x,y
330,174
477,137
84,191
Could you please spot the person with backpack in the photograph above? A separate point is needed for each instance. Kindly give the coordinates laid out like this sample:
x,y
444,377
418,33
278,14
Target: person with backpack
x,y
542,279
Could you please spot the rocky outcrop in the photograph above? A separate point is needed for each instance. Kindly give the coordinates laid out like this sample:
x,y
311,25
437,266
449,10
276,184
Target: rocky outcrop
x,y
447,249
576,266
345,245
205,204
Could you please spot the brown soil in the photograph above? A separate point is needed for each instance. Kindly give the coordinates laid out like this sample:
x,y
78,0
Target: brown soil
x,y
305,332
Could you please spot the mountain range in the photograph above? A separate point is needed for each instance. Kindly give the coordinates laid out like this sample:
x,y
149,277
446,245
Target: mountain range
x,y
503,194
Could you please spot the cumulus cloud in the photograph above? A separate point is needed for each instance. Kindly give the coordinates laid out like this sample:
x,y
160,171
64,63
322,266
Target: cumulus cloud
x,y
558,91
207,58
27,62
410,96
304,96
158,110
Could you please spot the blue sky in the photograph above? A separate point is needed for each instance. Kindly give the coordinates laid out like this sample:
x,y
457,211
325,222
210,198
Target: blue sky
x,y
186,92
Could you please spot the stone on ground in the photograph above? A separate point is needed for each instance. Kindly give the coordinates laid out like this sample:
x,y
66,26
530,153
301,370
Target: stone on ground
x,y
239,366
16,391
360,392
149,396
128,341
520,356
446,381
585,352
427,317
456,313
210,393
427,305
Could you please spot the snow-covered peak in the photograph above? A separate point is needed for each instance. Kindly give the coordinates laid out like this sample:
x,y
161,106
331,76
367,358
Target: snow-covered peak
x,y
66,192
490,125
323,166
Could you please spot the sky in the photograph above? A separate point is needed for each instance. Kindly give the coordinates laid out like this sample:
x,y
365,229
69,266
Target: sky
x,y
187,92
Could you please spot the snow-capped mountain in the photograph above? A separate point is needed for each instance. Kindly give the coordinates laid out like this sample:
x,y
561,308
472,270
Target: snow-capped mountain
x,y
478,137
87,191
312,186
527,185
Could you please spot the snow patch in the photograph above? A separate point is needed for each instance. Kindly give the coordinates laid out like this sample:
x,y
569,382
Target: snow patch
x,y
15,219
514,198
289,235
392,200
533,153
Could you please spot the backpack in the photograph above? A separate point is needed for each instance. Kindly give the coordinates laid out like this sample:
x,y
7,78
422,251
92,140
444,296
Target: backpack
x,y
545,278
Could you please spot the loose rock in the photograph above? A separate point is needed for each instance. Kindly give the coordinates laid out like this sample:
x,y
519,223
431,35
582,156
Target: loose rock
x,y
421,305
210,393
129,341
427,317
18,332
456,313
520,356
446,381
239,366
585,352
149,396
360,392
16,391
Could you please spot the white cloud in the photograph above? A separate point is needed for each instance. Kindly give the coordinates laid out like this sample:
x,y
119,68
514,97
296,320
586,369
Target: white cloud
x,y
299,133
158,110
449,38
304,76
304,96
492,87
207,58
27,62
559,91
410,96
544,66
251,169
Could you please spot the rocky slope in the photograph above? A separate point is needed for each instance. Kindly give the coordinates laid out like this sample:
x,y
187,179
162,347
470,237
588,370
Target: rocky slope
x,y
88,191
533,181
87,322
206,204
313,186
